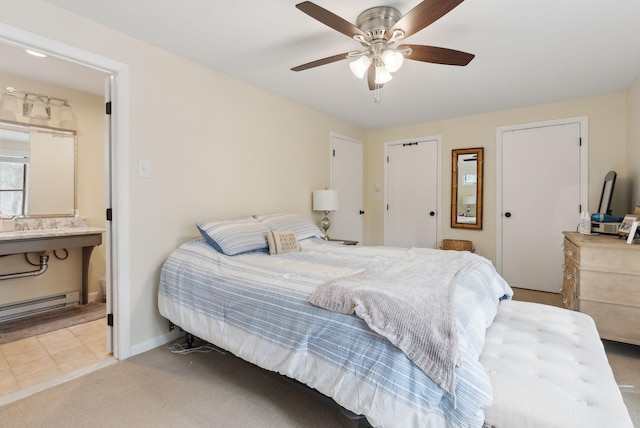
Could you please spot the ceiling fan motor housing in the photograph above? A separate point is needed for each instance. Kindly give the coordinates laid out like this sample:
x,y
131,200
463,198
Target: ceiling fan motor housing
x,y
375,22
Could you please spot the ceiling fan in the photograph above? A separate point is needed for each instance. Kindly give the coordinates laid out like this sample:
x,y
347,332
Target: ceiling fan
x,y
378,29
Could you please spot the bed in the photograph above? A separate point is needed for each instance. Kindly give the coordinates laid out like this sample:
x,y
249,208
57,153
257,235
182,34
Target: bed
x,y
247,287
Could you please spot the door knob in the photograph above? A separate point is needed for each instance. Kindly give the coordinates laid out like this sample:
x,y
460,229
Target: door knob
x,y
432,213
507,214
361,212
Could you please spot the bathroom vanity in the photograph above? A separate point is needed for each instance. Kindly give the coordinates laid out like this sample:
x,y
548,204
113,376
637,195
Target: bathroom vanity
x,y
45,240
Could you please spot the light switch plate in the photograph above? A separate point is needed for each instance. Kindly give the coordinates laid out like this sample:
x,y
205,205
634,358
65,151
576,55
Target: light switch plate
x,y
144,168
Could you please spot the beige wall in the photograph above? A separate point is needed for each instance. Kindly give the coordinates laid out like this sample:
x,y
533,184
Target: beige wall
x,y
219,148
231,150
65,275
607,129
633,141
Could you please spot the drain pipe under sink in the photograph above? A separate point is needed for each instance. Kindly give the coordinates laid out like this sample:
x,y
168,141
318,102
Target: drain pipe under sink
x,y
44,264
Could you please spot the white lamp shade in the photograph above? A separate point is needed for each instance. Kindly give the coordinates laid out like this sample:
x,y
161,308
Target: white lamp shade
x,y
67,118
392,60
360,66
9,103
382,75
38,109
325,200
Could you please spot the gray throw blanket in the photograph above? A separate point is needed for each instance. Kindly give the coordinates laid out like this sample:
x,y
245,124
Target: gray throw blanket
x,y
410,301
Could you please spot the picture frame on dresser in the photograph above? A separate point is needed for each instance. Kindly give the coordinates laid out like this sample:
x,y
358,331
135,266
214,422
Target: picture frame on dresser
x,y
632,232
626,224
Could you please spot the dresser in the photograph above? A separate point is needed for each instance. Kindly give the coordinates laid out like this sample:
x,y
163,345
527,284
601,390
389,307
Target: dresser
x,y
602,279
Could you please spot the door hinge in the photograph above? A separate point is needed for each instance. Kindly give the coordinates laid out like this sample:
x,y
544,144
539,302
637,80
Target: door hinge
x,y
108,107
110,320
109,214
580,141
334,153
387,207
387,159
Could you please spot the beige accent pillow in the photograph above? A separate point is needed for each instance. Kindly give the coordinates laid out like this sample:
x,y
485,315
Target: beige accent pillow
x,y
282,241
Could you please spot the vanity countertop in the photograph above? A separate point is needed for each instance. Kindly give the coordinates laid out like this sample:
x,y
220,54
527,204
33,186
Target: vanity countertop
x,y
48,233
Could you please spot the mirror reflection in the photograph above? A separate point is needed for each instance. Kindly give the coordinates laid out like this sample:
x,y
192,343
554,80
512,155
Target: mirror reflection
x,y
466,188
37,171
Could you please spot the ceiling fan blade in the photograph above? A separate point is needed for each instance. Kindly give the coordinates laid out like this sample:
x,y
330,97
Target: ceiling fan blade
x,y
320,62
438,55
423,15
329,19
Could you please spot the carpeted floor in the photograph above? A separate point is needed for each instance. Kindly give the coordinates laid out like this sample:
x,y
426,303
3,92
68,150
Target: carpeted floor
x,y
162,389
33,325
159,388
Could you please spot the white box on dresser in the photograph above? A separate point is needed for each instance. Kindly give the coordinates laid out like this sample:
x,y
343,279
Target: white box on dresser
x,y
602,279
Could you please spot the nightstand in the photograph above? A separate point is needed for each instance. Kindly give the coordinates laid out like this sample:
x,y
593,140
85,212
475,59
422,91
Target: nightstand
x,y
344,241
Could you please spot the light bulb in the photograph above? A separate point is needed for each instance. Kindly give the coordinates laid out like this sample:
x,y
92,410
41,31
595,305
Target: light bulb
x,y
360,66
392,60
382,75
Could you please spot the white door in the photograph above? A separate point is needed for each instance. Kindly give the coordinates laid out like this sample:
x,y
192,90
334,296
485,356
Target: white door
x,y
540,196
347,179
411,194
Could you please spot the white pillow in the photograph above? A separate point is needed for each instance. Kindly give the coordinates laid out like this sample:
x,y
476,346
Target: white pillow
x,y
282,241
234,236
303,227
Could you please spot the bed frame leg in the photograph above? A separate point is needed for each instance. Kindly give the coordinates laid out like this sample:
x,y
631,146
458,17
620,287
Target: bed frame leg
x,y
190,339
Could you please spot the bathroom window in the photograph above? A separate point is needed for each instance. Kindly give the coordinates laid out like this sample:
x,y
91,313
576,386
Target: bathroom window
x,y
13,179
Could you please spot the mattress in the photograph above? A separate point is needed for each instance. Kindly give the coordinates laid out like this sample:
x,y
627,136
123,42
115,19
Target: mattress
x,y
256,306
548,368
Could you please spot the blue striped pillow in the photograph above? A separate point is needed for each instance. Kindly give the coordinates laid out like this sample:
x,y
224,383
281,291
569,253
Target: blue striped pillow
x,y
303,227
234,236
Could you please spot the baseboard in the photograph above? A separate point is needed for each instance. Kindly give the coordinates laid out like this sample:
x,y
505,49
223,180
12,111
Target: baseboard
x,y
155,342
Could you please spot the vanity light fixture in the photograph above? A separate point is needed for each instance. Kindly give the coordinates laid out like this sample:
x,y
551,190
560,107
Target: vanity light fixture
x,y
37,107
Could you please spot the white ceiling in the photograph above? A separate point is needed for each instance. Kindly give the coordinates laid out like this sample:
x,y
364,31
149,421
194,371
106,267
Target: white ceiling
x,y
527,51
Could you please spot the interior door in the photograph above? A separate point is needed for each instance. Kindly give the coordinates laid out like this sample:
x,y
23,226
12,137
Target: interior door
x,y
411,196
347,178
540,189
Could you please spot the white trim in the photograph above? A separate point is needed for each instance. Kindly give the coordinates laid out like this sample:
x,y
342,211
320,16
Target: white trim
x,y
583,121
438,139
120,186
154,342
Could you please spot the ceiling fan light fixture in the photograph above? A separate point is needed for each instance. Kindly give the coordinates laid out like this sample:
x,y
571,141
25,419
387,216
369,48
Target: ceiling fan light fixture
x,y
360,66
382,75
392,60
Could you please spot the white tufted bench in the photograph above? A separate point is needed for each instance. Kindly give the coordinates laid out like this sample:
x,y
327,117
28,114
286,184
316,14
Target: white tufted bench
x,y
548,368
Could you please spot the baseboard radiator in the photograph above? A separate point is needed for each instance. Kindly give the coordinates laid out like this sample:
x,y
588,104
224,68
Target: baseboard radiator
x,y
36,306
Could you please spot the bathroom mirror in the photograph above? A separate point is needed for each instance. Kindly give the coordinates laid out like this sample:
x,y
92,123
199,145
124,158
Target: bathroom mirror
x,y
37,171
467,166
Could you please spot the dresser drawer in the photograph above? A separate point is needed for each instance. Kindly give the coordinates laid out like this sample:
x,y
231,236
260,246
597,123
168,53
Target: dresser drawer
x,y
571,252
610,287
615,322
569,291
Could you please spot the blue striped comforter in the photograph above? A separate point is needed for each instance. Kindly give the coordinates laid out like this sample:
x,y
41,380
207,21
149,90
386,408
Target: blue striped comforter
x,y
255,305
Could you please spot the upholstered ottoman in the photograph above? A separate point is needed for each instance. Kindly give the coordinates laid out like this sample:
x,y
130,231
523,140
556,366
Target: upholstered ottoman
x,y
548,368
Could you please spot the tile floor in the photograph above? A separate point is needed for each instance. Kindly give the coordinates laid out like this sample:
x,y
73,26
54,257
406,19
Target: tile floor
x,y
41,358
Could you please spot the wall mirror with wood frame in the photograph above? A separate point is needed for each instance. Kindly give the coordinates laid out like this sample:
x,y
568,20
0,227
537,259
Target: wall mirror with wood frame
x,y
467,167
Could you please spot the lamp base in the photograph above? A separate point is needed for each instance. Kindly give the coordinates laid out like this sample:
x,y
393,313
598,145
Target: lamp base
x,y
325,223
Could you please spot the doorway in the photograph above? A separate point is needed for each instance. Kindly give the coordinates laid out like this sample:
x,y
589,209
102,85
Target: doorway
x,y
116,241
412,193
542,185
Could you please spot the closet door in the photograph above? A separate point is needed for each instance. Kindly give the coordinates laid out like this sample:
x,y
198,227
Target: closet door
x,y
539,198
347,178
411,194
